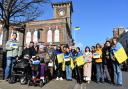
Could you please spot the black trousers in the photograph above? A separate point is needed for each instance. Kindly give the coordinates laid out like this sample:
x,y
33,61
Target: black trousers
x,y
79,71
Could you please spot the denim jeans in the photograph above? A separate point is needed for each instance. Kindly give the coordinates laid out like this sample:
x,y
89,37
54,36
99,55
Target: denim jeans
x,y
68,72
117,73
99,72
9,66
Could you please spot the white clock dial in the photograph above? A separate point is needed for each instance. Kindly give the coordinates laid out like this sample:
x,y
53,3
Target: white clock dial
x,y
62,12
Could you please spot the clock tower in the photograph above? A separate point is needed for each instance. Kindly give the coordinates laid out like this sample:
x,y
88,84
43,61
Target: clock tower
x,y
63,10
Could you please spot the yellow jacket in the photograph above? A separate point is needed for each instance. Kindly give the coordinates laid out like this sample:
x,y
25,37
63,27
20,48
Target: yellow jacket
x,y
99,51
64,66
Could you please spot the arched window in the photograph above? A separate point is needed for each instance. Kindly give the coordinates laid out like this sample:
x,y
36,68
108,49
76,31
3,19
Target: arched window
x,y
28,37
49,36
56,36
35,36
1,38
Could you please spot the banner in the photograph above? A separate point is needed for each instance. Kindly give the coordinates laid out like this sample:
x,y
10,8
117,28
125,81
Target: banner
x,y
96,55
14,45
120,53
80,61
60,58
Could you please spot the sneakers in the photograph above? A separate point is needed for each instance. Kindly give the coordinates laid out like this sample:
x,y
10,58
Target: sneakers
x,y
61,78
88,82
57,78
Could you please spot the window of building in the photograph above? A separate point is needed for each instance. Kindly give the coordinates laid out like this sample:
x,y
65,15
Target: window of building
x,y
1,38
35,36
28,37
56,37
49,36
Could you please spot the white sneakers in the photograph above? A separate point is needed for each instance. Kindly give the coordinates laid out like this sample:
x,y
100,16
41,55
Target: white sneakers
x,y
59,78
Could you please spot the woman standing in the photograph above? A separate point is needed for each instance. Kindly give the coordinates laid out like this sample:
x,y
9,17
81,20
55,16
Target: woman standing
x,y
93,64
88,64
59,64
99,67
79,68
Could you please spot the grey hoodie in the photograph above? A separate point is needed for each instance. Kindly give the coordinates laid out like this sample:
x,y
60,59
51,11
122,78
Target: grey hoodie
x,y
13,48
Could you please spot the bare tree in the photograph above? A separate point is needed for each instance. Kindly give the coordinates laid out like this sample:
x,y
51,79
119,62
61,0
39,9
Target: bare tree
x,y
18,11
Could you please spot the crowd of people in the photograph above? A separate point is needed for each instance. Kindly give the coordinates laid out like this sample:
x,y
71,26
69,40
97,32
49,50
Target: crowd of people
x,y
97,63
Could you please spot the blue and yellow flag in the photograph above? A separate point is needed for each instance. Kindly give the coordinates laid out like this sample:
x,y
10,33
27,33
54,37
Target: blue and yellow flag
x,y
120,53
80,61
60,58
77,28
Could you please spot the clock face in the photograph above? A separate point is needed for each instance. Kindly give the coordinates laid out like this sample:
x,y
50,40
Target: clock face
x,y
61,12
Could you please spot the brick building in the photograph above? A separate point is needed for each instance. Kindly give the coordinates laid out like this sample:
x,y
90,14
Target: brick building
x,y
57,30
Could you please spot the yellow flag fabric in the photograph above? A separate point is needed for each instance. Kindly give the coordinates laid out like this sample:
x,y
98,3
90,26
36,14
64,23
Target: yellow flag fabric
x,y
60,58
80,61
120,55
72,64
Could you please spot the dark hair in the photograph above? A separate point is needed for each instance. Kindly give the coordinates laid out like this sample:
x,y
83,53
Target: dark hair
x,y
98,44
86,48
14,33
107,41
93,47
113,39
32,42
78,48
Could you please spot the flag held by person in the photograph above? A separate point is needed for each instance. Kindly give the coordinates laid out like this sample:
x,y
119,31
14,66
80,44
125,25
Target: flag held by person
x,y
120,53
60,58
80,61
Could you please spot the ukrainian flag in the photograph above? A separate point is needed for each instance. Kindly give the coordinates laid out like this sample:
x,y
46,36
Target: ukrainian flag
x,y
80,61
120,53
77,28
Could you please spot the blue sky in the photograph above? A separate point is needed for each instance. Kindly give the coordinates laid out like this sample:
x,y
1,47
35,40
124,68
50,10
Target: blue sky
x,y
96,18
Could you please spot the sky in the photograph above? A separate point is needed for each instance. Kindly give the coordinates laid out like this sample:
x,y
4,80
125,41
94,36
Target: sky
x,y
96,19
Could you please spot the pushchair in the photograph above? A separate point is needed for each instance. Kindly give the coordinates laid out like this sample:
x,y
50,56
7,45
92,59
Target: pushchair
x,y
21,71
38,73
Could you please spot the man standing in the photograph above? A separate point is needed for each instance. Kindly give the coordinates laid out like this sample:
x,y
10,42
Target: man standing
x,y
13,51
116,65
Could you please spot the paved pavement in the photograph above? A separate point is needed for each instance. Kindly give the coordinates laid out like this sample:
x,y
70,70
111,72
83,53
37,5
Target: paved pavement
x,y
67,85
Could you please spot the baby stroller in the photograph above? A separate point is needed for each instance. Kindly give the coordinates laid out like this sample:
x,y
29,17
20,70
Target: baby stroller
x,y
21,71
38,73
